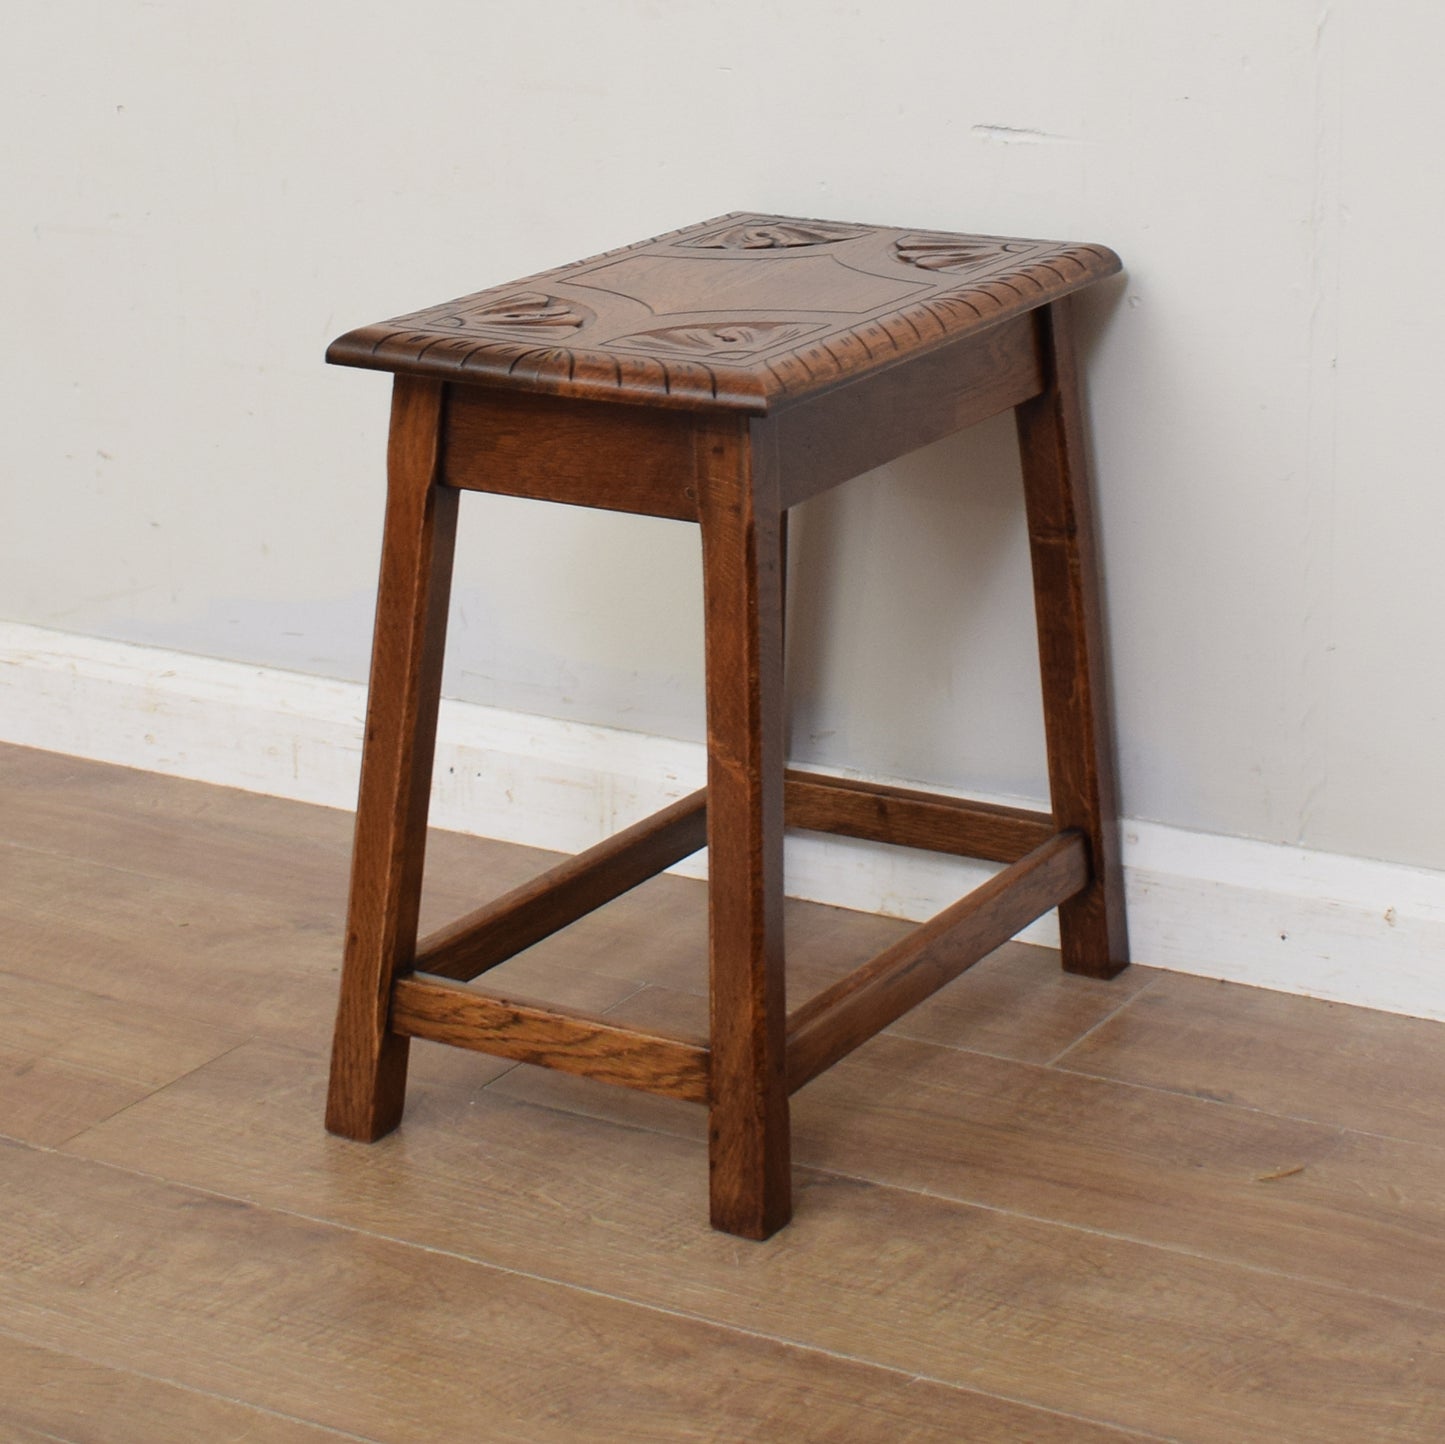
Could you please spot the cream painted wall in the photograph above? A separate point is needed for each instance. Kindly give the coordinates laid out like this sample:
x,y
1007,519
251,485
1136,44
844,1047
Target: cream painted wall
x,y
199,196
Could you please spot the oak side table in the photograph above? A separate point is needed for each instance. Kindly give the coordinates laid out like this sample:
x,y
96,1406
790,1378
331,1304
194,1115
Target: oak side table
x,y
721,374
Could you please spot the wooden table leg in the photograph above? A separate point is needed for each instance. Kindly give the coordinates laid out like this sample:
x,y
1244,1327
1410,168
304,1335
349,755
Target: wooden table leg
x,y
368,1061
749,1152
1076,717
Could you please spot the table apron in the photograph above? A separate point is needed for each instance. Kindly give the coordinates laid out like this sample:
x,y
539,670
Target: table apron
x,y
632,459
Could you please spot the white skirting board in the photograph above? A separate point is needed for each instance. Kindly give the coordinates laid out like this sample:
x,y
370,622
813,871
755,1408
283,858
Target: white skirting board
x,y
1344,928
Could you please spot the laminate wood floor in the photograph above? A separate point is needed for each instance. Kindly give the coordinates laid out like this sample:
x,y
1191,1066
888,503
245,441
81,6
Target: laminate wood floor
x,y
1039,1208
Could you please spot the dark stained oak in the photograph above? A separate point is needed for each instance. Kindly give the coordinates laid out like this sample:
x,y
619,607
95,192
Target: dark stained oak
x,y
575,1042
906,818
742,549
743,312
1071,637
255,855
721,374
875,418
368,1059
584,453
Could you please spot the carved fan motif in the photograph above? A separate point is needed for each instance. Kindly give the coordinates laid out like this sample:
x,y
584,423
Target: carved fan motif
x,y
930,253
739,313
522,309
775,236
739,338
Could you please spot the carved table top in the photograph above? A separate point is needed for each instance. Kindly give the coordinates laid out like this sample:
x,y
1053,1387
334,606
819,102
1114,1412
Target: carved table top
x,y
744,311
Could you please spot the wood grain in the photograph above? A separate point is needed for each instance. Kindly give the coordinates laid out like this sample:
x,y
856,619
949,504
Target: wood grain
x,y
1018,1003
844,432
237,844
147,1046
370,1336
1298,1057
250,948
685,321
532,1032
70,1057
1054,457
49,1395
171,946
742,550
1073,1319
1361,1213
619,458
908,818
1098,1251
45,1101
242,847
368,1060
759,359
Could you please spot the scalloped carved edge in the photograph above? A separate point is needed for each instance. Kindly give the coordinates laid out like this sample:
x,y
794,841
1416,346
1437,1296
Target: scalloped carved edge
x,y
946,315
1027,274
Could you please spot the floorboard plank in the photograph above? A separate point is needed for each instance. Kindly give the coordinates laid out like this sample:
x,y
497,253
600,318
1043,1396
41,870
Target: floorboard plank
x,y
386,1340
1234,1184
46,1394
1134,1335
134,1042
1016,1003
43,1101
1302,1057
241,846
988,1245
1019,1003
236,845
202,964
